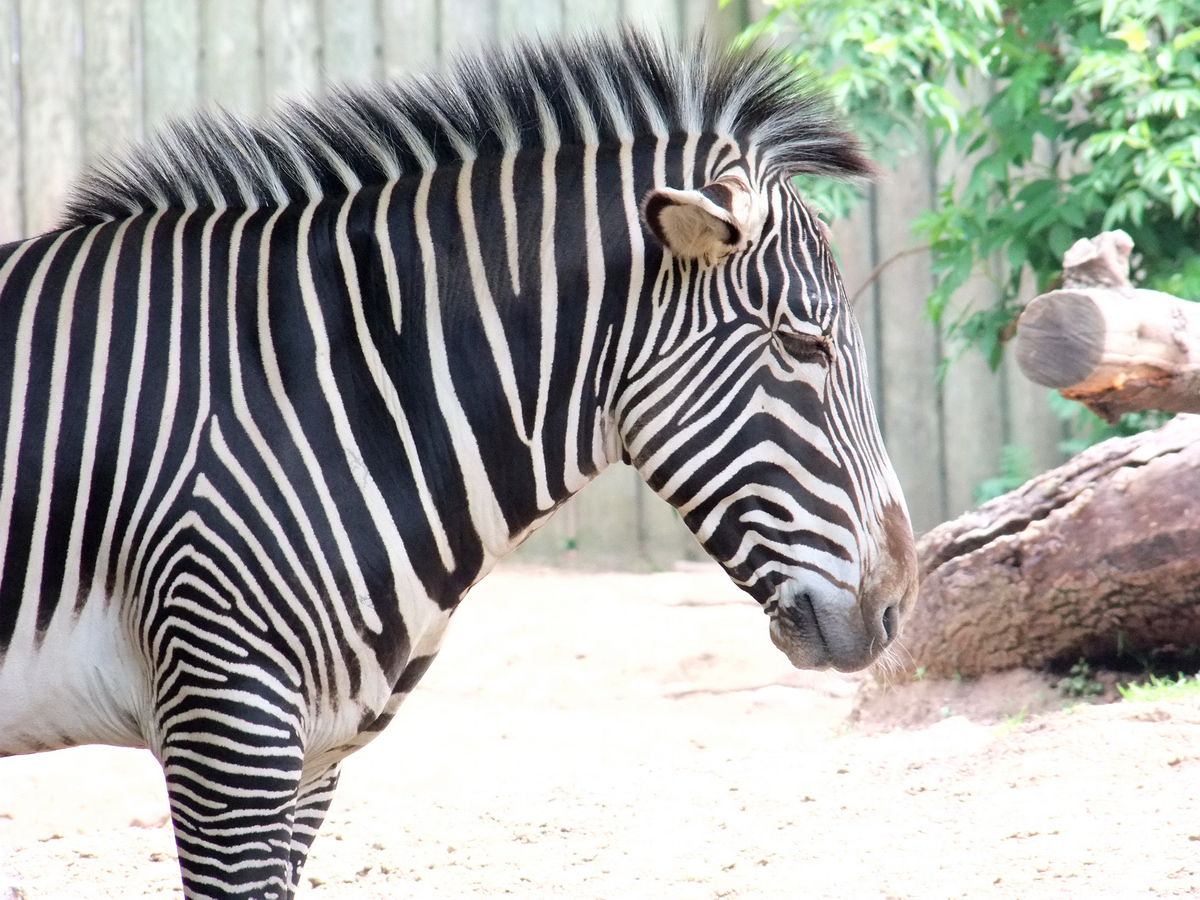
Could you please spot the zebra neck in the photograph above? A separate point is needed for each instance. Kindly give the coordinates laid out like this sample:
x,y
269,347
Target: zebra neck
x,y
498,320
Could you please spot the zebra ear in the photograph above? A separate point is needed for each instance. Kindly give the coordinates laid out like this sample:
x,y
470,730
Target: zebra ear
x,y
707,224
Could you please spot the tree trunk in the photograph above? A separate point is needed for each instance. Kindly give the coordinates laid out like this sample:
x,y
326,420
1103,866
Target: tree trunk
x,y
1114,348
1098,557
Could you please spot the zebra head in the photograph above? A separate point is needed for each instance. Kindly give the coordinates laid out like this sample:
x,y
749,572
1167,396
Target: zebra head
x,y
750,413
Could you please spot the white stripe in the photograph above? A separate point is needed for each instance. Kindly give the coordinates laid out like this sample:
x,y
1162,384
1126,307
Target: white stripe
x,y
132,393
508,205
493,327
391,278
387,392
594,239
283,403
58,386
548,276
20,389
637,274
484,509
689,160
166,421
97,384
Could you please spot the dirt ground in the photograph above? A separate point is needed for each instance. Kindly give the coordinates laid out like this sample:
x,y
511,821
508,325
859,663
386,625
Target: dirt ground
x,y
638,736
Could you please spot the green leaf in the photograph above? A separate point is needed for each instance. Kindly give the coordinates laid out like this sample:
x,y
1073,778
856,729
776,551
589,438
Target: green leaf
x,y
1090,120
1062,236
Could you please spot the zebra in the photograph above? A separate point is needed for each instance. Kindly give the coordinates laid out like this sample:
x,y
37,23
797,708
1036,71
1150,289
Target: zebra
x,y
277,393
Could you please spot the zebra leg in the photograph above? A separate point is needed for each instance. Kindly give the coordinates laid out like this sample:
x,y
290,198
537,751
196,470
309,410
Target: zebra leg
x,y
311,806
233,762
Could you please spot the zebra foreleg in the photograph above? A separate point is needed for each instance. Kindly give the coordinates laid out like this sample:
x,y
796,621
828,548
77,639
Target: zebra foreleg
x,y
311,806
233,767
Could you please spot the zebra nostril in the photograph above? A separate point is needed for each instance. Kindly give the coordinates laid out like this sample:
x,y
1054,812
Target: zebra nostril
x,y
890,620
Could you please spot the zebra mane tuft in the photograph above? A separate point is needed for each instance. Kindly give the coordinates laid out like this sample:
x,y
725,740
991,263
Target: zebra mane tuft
x,y
601,89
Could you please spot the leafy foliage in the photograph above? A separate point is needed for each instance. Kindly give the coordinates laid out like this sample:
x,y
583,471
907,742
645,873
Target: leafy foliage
x,y
1158,689
1092,122
1084,428
1016,467
1080,681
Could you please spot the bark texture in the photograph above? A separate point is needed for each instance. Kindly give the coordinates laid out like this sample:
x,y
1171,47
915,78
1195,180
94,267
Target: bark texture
x,y
1100,554
1113,347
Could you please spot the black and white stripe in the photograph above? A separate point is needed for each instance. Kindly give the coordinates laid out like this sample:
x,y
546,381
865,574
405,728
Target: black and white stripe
x,y
276,395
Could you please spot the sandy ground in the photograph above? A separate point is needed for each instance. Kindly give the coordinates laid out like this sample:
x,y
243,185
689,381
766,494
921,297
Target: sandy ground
x,y
630,736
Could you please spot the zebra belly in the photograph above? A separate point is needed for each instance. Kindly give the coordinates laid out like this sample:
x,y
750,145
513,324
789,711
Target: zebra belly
x,y
80,683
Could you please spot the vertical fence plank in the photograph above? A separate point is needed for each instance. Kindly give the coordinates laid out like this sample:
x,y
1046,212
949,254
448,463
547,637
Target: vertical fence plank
x,y
350,30
466,24
664,15
696,15
973,395
291,40
12,217
411,36
582,15
1032,424
112,112
50,106
170,60
528,17
231,71
910,412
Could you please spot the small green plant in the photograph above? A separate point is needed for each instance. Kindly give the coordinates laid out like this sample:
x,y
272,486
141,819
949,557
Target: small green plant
x,y
1157,689
1012,723
1079,682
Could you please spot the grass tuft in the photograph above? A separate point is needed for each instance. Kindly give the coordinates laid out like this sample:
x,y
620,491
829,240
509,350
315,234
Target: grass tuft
x,y
1157,689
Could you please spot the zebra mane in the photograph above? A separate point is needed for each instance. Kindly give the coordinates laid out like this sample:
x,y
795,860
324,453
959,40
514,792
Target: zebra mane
x,y
597,90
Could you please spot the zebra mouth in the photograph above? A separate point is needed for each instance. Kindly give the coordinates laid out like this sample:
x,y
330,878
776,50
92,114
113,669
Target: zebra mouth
x,y
795,630
821,629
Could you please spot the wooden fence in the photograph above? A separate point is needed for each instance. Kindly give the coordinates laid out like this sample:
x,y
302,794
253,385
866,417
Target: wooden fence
x,y
82,78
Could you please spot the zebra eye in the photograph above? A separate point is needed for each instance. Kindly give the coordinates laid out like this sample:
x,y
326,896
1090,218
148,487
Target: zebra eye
x,y
806,348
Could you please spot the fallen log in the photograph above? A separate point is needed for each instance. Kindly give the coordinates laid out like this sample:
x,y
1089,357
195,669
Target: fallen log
x,y
1111,346
1097,557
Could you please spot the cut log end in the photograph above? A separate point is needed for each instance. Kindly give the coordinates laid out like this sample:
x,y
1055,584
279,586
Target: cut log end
x,y
1060,339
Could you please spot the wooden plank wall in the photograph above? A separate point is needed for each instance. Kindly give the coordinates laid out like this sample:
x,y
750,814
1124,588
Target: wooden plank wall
x,y
944,432
81,78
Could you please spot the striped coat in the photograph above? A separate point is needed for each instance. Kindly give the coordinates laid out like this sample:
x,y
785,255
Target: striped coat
x,y
277,394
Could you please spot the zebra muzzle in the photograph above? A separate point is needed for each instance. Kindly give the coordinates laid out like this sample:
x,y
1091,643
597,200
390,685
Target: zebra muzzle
x,y
822,626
